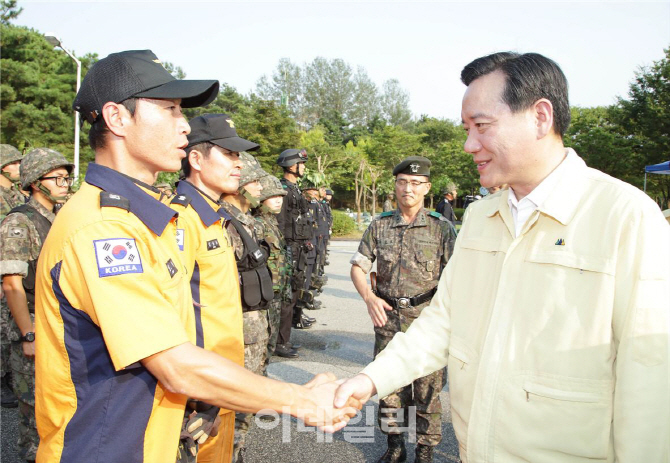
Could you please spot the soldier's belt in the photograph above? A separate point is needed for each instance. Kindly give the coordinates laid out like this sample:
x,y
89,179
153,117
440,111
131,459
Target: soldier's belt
x,y
407,302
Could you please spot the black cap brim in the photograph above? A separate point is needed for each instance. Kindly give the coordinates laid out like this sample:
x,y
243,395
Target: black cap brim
x,y
193,93
236,144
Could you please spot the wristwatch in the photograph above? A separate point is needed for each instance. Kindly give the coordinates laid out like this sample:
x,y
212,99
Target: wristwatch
x,y
28,337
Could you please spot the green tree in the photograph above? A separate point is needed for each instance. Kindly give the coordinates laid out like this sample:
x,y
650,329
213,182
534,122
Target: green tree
x,y
645,115
9,10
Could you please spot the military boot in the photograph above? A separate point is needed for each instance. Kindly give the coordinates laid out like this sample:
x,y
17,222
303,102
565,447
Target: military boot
x,y
286,351
395,453
424,454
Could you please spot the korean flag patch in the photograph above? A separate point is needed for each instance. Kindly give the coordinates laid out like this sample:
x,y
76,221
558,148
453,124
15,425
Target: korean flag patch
x,y
117,256
180,238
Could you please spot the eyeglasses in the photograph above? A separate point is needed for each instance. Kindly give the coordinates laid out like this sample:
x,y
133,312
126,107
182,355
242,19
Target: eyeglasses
x,y
401,182
61,181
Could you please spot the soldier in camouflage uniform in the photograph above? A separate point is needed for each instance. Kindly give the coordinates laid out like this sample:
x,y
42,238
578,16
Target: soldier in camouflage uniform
x,y
46,173
256,291
271,200
317,278
411,246
388,204
10,197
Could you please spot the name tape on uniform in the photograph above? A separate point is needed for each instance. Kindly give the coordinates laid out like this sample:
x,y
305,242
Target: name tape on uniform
x,y
117,256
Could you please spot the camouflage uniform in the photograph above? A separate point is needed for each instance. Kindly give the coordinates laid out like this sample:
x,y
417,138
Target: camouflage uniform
x,y
410,259
20,243
9,199
256,331
278,262
388,206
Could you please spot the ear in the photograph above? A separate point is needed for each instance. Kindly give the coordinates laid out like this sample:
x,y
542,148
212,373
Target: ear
x,y
117,117
543,111
195,158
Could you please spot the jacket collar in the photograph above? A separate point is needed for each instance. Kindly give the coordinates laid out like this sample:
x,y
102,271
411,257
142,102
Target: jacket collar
x,y
562,201
206,213
419,221
154,214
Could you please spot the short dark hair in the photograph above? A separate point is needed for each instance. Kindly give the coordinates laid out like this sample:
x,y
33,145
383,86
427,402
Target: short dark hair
x,y
205,147
97,135
530,77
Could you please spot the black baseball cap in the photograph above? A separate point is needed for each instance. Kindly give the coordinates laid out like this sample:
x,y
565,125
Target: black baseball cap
x,y
220,130
137,74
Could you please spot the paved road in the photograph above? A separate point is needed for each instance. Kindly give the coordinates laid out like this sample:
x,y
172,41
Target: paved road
x,y
341,342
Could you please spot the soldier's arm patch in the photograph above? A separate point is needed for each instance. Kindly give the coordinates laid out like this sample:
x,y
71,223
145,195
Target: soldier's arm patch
x,y
362,261
117,256
18,233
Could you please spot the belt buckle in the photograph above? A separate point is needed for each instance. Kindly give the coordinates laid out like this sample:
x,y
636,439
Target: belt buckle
x,y
403,303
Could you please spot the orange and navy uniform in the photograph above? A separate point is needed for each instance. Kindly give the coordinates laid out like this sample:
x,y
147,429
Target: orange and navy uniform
x,y
209,257
111,291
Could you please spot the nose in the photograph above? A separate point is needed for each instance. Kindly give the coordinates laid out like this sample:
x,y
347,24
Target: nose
x,y
184,127
472,145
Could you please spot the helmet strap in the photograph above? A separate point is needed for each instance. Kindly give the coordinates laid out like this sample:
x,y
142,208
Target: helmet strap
x,y
253,201
46,192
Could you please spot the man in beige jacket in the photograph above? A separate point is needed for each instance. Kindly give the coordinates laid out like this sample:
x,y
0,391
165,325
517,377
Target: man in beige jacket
x,y
552,314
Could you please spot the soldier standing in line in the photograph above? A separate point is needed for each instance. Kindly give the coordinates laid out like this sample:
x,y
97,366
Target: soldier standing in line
x,y
46,173
318,280
411,247
271,200
255,278
329,212
10,197
297,223
388,204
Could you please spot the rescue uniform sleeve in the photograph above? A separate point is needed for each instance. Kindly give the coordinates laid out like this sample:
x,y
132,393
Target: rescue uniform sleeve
x,y
16,242
423,349
120,277
641,325
365,256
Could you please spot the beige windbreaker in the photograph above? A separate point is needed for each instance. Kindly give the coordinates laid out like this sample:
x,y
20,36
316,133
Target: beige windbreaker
x,y
556,341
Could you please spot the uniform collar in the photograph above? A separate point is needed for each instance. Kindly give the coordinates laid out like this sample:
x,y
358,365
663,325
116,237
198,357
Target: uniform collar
x,y
419,221
563,195
154,214
236,213
49,215
201,205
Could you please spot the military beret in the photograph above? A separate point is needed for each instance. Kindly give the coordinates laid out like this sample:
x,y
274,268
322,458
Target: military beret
x,y
413,165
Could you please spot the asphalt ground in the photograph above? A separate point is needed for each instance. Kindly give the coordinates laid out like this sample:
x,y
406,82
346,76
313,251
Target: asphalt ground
x,y
341,341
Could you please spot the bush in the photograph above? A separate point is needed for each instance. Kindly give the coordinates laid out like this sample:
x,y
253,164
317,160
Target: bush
x,y
459,211
342,224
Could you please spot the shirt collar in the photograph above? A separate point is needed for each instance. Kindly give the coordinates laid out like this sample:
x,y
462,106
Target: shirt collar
x,y
419,221
154,214
201,205
560,198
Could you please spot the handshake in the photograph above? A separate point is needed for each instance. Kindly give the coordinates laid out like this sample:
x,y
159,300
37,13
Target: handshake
x,y
328,403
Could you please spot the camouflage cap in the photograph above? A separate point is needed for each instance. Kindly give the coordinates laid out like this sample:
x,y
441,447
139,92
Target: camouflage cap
x,y
251,169
308,184
9,154
41,161
271,187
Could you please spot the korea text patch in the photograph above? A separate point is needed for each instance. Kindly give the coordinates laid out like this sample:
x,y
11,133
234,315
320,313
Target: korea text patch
x,y
117,256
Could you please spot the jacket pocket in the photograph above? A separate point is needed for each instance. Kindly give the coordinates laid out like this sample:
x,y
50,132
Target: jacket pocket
x,y
554,419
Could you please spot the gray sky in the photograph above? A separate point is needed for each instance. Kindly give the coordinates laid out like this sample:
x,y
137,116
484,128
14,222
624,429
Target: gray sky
x,y
422,44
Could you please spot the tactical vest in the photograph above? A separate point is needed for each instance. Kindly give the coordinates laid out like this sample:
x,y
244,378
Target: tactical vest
x,y
42,225
299,213
255,278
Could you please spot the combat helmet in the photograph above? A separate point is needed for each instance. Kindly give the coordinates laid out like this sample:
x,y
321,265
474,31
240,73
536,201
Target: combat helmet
x,y
291,156
8,155
39,162
308,184
271,187
251,169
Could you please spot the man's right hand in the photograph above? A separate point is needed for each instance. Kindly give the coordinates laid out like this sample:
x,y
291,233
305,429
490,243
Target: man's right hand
x,y
29,349
377,308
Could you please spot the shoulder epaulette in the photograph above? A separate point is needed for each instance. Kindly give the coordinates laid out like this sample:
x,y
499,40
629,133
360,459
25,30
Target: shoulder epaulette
x,y
386,214
437,215
182,200
108,199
